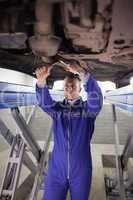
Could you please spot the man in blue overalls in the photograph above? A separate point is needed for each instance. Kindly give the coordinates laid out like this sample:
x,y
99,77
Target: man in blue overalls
x,y
70,166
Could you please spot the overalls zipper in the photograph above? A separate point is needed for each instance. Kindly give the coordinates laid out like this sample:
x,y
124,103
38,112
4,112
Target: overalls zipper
x,y
68,154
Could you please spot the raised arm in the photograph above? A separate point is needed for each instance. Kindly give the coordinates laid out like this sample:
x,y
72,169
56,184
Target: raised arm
x,y
44,98
94,96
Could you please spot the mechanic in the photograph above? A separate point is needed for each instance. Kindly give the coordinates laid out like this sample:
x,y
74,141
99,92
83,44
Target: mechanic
x,y
70,166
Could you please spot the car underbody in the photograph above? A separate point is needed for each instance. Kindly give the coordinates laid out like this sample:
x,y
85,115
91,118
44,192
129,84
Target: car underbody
x,y
96,32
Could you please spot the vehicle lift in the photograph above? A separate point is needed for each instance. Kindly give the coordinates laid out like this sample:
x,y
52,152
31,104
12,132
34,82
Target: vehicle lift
x,y
121,160
20,145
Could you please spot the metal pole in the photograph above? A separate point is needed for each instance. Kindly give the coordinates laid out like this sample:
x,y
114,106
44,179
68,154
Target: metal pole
x,y
30,116
27,134
41,167
12,172
9,137
128,149
118,160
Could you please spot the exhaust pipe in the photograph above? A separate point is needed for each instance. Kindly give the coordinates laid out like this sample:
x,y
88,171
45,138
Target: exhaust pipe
x,y
44,43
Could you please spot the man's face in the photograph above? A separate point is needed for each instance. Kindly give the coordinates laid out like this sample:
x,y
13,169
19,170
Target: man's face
x,y
72,88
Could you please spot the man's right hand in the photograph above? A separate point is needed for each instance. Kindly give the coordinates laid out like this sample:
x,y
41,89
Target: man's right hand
x,y
42,75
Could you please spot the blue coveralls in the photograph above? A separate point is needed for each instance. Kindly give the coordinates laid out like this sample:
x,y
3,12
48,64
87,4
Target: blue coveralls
x,y
70,166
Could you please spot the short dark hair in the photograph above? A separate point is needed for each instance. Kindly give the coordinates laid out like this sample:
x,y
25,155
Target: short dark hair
x,y
73,76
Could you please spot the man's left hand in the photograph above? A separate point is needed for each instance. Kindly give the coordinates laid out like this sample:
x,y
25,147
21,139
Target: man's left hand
x,y
81,69
74,68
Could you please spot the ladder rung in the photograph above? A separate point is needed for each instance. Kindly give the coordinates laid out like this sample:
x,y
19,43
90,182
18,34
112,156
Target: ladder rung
x,y
7,192
14,160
